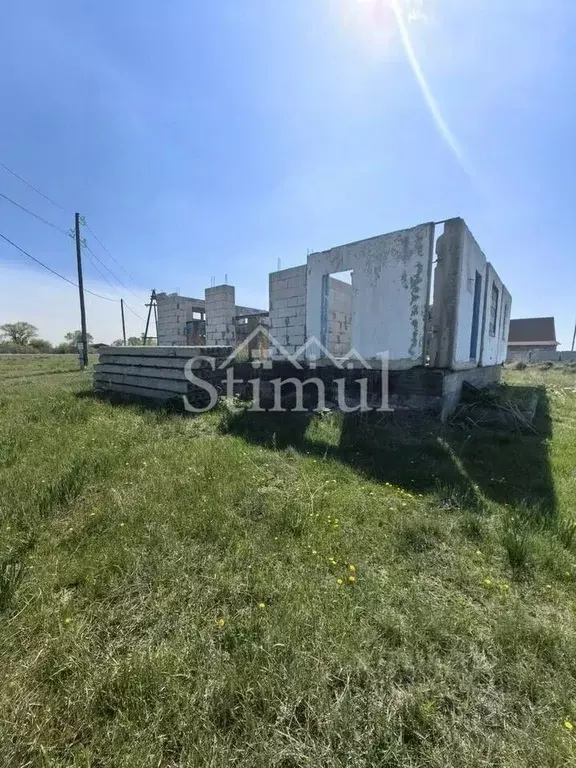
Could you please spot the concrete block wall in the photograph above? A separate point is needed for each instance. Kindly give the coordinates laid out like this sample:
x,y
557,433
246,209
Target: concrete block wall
x,y
288,307
339,317
171,320
174,311
220,306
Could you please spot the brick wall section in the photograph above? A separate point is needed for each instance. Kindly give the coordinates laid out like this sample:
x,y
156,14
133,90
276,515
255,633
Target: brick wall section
x,y
220,305
288,307
339,335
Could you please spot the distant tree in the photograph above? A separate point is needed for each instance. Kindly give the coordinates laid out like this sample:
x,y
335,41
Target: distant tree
x,y
134,341
19,333
75,337
118,343
65,348
40,345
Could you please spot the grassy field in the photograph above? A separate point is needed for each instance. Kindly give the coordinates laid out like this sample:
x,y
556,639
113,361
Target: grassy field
x,y
233,590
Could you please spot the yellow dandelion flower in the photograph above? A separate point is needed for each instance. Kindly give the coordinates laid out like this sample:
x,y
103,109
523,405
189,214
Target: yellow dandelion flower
x,y
352,568
352,579
261,606
487,582
221,622
568,725
67,620
339,581
314,552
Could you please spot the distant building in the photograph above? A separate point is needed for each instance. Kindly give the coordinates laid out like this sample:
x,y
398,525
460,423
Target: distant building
x,y
214,320
532,338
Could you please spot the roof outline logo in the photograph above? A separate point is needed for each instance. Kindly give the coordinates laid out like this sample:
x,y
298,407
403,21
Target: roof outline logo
x,y
342,363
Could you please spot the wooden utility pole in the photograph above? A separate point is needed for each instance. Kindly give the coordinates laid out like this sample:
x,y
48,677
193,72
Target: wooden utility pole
x,y
574,338
123,323
151,306
84,361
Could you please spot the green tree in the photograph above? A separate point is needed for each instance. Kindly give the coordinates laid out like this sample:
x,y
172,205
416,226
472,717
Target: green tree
x,y
19,333
134,341
75,337
40,345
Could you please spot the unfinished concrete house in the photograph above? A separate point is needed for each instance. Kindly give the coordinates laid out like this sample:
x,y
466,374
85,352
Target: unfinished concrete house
x,y
451,312
214,320
425,298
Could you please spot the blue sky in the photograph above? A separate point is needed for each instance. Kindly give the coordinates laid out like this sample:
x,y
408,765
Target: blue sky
x,y
202,139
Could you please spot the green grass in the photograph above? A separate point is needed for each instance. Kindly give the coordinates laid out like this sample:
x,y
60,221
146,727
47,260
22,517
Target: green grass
x,y
169,590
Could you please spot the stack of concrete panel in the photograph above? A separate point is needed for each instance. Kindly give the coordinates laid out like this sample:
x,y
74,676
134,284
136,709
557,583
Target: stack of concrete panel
x,y
220,306
157,373
288,307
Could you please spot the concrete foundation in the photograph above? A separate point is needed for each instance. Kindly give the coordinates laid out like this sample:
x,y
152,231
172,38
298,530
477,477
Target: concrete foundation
x,y
157,374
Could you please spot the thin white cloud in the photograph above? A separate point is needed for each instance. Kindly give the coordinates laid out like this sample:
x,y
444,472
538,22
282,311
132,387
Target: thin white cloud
x,y
53,306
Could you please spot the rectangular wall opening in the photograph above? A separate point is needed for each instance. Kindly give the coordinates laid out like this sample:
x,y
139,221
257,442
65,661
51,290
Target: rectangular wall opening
x,y
337,311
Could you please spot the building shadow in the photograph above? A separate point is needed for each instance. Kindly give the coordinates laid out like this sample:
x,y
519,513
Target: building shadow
x,y
508,465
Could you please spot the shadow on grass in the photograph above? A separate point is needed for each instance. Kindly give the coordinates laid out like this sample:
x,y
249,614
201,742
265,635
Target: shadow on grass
x,y
420,454
408,449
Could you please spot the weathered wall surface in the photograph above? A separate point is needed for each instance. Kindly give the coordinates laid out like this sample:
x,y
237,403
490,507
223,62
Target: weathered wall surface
x,y
288,307
460,260
446,292
339,317
472,260
390,286
494,342
220,315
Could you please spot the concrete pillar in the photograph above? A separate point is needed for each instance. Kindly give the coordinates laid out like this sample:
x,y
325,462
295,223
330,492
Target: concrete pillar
x,y
449,249
220,313
288,307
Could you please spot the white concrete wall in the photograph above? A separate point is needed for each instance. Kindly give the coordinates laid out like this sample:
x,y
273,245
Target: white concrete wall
x,y
339,317
390,287
466,258
471,260
288,307
495,346
220,306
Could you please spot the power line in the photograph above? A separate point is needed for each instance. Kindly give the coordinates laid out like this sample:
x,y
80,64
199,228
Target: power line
x,y
114,275
53,271
31,186
90,254
133,312
101,244
102,275
27,210
54,226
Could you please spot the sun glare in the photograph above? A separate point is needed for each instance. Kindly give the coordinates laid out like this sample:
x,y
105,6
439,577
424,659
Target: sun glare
x,y
379,24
